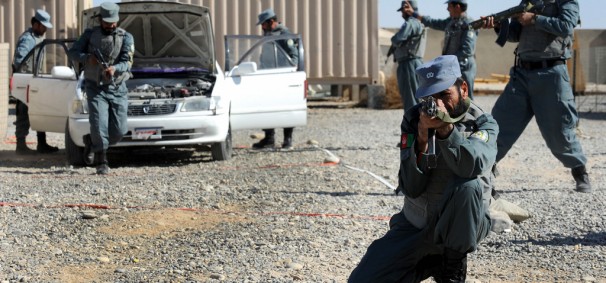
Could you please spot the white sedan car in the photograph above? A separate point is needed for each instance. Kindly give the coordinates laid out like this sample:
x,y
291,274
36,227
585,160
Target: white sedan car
x,y
178,95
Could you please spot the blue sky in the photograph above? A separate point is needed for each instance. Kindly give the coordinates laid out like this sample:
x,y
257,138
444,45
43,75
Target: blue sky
x,y
591,10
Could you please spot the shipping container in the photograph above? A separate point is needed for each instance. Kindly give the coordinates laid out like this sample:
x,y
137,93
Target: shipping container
x,y
340,36
17,15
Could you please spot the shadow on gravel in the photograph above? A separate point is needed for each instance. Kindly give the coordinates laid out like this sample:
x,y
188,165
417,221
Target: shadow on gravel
x,y
592,115
117,158
590,239
156,157
340,194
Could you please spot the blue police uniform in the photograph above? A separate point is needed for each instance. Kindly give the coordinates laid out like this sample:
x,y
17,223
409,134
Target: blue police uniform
x,y
26,42
540,87
409,44
268,60
445,212
107,99
460,41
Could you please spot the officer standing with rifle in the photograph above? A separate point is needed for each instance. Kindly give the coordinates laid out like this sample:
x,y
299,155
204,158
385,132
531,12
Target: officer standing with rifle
x,y
459,40
540,84
407,47
445,213
107,54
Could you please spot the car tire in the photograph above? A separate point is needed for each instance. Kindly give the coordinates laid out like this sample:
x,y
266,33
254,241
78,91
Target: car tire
x,y
222,150
75,154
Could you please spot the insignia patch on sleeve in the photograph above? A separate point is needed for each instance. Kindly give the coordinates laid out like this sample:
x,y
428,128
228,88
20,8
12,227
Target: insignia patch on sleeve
x,y
407,140
481,135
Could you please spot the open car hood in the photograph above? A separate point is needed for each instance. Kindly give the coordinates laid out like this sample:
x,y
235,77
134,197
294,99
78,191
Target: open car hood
x,y
169,37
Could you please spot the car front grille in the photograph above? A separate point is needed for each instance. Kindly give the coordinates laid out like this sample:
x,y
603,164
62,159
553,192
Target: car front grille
x,y
151,109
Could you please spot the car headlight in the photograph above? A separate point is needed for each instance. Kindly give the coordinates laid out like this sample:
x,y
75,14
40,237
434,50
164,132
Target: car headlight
x,y
191,105
79,107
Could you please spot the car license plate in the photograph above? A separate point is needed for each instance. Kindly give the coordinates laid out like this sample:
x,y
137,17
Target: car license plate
x,y
147,134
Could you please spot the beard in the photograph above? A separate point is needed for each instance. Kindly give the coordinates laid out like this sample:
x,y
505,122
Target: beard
x,y
108,31
460,108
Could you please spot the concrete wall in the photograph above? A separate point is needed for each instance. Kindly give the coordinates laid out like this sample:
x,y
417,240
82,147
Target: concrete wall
x,y
493,59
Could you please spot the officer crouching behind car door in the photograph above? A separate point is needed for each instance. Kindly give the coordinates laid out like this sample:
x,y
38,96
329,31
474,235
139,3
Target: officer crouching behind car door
x,y
445,212
105,82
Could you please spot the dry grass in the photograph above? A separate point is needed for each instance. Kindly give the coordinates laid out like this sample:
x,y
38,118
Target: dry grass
x,y
392,93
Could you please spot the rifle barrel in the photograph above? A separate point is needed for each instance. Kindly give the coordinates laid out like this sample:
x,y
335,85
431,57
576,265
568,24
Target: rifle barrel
x,y
477,24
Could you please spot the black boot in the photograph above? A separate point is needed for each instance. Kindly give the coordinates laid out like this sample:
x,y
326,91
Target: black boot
x,y
267,142
22,148
43,147
287,144
454,268
582,178
89,155
101,159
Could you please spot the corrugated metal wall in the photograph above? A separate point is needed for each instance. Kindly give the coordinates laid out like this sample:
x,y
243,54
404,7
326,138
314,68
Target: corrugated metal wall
x,y
4,76
340,36
17,14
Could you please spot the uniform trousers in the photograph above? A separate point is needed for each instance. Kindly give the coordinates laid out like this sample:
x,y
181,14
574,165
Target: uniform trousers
x,y
545,94
108,107
407,81
403,253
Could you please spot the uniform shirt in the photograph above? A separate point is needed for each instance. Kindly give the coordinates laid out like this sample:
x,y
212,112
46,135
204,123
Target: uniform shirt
x,y
468,153
267,56
551,35
122,63
26,42
459,40
410,29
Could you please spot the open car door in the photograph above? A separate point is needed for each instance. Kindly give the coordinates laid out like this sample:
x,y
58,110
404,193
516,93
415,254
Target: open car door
x,y
51,88
267,83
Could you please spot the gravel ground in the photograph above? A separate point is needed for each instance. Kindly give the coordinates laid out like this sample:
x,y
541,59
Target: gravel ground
x,y
281,216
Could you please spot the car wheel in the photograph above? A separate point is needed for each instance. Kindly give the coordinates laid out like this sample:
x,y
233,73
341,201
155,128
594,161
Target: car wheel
x,y
75,154
222,150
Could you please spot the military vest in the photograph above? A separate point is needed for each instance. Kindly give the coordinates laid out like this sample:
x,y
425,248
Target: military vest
x,y
453,35
537,44
414,47
422,209
109,46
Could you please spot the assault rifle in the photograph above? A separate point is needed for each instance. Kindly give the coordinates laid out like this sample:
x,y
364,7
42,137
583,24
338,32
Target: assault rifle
x,y
99,56
429,106
533,6
530,6
390,52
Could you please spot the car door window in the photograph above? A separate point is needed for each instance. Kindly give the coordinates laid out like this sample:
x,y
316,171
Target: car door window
x,y
268,52
40,60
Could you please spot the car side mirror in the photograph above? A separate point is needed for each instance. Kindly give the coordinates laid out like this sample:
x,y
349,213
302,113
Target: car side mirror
x,y
244,68
63,72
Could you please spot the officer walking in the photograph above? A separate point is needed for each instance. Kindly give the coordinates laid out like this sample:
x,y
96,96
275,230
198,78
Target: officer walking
x,y
26,42
409,47
105,87
271,27
458,39
540,85
446,187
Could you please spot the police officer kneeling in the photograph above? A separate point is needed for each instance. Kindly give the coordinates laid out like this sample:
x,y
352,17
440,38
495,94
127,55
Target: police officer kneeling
x,y
447,194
